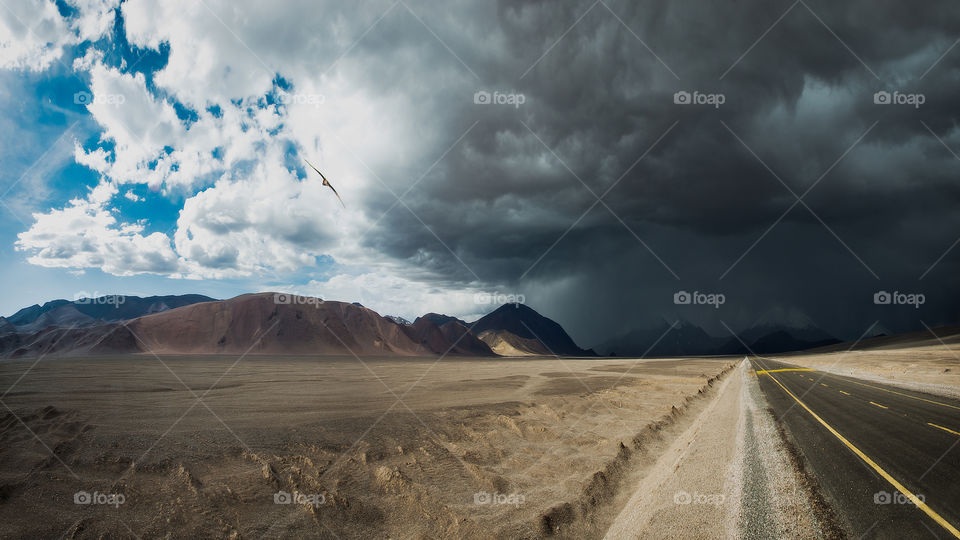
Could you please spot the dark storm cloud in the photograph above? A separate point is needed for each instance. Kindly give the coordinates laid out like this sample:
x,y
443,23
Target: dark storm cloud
x,y
799,99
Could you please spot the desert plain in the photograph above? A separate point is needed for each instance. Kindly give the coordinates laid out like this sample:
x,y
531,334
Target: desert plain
x,y
333,447
282,446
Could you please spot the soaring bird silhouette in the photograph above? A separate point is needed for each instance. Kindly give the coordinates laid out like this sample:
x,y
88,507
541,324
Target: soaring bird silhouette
x,y
326,182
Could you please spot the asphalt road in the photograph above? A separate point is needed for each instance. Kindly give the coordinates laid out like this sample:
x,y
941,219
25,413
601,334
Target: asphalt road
x,y
887,459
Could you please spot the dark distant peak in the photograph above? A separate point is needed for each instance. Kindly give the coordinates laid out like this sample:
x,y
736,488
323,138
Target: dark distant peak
x,y
6,327
358,304
518,307
399,320
440,320
781,341
523,321
681,323
25,315
518,319
29,314
53,304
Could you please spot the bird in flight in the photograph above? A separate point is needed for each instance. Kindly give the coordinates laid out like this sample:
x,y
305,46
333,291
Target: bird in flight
x,y
326,182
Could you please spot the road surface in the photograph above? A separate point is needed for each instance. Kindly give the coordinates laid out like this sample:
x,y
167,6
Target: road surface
x,y
887,459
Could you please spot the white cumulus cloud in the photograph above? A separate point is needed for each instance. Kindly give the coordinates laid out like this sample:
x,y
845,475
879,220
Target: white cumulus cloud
x,y
33,34
85,234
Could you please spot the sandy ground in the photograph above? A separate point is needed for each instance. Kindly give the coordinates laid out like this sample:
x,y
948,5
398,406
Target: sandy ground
x,y
383,448
929,368
728,475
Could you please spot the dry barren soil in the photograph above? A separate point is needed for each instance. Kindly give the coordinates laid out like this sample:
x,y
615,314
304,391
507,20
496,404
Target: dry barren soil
x,y
281,447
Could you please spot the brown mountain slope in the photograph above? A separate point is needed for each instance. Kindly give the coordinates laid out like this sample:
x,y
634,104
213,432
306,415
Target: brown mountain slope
x,y
452,337
112,338
271,323
260,323
264,324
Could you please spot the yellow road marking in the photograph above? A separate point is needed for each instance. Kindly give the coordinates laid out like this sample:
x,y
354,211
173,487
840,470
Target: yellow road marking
x,y
821,384
845,393
913,498
874,387
907,395
879,405
943,428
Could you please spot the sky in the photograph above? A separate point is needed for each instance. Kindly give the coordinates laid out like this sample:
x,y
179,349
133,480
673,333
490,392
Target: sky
x,y
603,161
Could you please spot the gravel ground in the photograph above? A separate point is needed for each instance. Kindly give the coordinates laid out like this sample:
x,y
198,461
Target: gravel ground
x,y
778,499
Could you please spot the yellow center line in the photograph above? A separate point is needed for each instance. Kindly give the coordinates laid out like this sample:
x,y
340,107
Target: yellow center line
x,y
907,395
845,393
822,384
878,388
879,405
943,428
913,498
779,370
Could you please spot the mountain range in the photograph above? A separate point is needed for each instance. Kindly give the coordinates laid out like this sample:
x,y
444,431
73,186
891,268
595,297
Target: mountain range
x,y
683,338
269,323
277,323
93,311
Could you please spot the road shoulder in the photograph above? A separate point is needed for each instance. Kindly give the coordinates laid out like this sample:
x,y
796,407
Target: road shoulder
x,y
728,475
